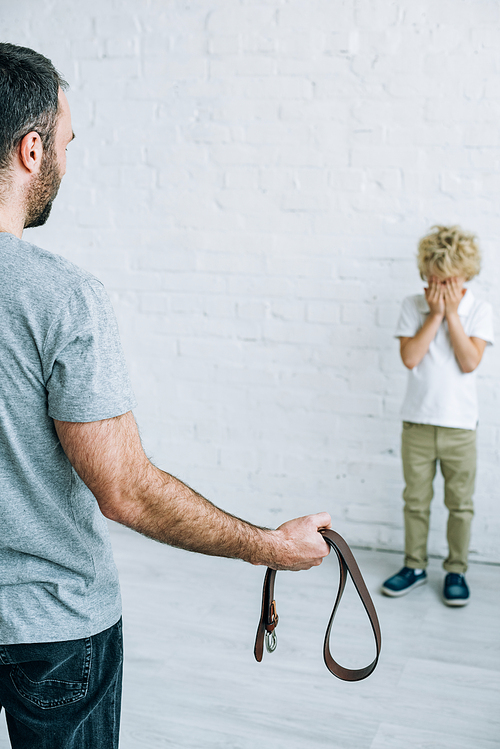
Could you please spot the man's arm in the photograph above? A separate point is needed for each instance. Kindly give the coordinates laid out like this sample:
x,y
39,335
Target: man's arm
x,y
109,458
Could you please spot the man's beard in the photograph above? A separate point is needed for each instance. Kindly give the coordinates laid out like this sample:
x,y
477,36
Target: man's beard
x,y
42,191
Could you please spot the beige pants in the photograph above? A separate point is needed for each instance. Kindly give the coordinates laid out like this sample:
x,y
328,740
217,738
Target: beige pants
x,y
423,445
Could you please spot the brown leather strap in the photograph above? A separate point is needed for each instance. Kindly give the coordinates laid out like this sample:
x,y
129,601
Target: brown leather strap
x,y
269,618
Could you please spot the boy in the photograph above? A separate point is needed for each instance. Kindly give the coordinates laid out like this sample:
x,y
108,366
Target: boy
x,y
442,336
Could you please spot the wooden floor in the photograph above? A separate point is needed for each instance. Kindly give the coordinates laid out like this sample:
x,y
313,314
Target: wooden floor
x,y
191,681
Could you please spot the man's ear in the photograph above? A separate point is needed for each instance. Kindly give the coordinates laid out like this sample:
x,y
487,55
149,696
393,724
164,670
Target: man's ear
x,y
31,152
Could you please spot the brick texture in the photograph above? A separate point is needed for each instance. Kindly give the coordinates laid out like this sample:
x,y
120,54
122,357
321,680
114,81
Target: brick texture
x,y
250,180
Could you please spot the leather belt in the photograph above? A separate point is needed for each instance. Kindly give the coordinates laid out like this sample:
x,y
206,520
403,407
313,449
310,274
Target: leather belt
x,y
269,617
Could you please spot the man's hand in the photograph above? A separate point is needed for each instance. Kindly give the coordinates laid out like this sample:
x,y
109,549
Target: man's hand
x,y
453,293
300,545
434,295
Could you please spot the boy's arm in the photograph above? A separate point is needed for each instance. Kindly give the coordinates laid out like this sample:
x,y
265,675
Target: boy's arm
x,y
414,349
468,350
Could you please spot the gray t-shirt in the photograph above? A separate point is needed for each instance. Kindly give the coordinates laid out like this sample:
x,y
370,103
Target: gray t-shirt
x,y
60,358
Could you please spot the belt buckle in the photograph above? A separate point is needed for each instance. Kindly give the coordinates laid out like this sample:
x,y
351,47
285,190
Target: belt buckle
x,y
271,637
271,641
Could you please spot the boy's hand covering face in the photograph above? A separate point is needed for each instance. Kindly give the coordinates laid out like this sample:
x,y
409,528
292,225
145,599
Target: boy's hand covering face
x,y
453,293
434,295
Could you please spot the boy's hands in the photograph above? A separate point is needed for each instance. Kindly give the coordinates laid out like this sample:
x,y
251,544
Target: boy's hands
x,y
434,295
443,297
453,293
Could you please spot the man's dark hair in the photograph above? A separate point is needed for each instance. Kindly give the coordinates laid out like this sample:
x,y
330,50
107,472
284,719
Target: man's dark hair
x,y
29,88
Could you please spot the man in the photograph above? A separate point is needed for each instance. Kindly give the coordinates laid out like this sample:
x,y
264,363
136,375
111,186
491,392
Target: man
x,y
70,454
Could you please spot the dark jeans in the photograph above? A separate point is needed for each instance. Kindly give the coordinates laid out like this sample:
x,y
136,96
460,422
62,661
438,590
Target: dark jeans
x,y
63,695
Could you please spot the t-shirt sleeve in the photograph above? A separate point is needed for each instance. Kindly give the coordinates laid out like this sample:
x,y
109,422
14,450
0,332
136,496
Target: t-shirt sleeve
x,y
482,323
83,362
409,322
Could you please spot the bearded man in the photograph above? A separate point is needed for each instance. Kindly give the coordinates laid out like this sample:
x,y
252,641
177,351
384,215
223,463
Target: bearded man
x,y
70,455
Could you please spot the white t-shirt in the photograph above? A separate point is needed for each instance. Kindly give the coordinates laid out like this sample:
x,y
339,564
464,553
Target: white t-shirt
x,y
438,392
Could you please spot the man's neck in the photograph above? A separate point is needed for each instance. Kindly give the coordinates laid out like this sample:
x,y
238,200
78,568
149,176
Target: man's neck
x,y
12,211
11,225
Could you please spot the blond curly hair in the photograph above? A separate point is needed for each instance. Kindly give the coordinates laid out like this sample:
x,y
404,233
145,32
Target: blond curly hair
x,y
448,251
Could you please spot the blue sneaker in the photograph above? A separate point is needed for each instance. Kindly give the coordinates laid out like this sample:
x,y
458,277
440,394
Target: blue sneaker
x,y
403,581
455,591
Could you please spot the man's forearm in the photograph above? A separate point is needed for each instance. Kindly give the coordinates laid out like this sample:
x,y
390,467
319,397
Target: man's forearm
x,y
167,510
109,458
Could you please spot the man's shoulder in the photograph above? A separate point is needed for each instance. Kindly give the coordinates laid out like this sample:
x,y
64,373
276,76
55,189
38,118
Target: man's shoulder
x,y
40,268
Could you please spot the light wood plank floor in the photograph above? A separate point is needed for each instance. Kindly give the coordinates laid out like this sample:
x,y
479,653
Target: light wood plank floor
x,y
191,681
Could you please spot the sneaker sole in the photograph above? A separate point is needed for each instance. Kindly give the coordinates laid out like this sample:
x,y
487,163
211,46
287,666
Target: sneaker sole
x,y
456,601
399,593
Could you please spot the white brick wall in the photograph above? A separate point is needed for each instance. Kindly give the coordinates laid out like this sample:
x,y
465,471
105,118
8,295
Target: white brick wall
x,y
250,180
